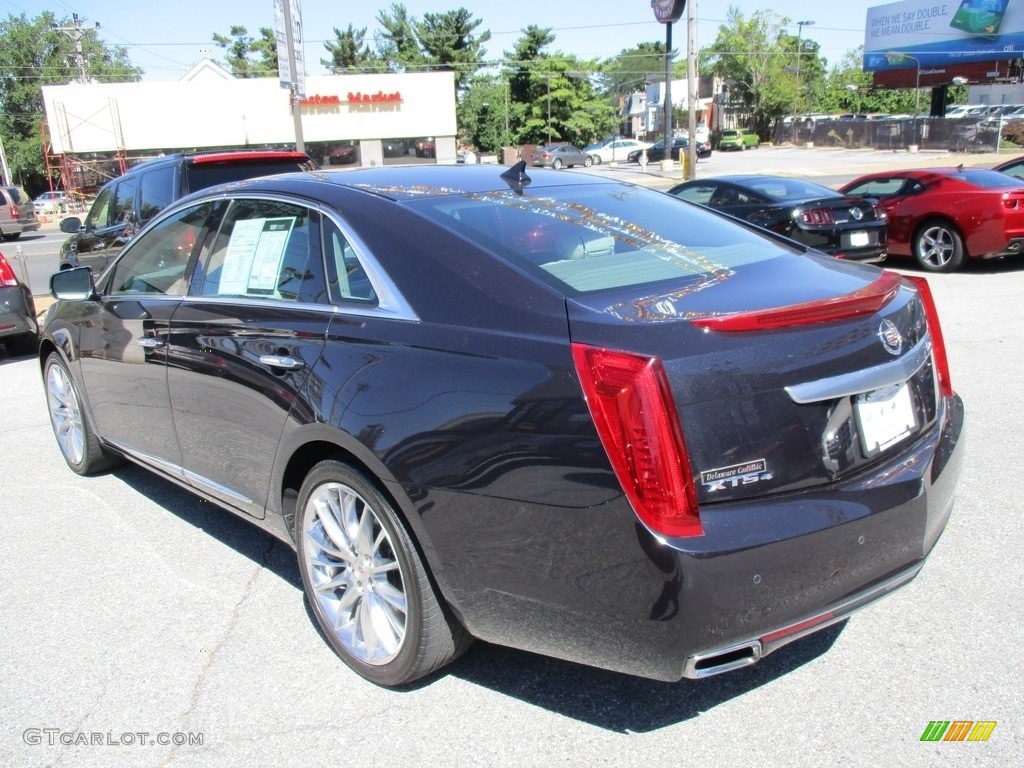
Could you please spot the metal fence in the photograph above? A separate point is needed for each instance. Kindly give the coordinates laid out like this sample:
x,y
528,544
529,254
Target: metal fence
x,y
954,134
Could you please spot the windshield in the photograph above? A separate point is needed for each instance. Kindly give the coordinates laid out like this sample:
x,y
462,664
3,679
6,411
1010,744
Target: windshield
x,y
602,237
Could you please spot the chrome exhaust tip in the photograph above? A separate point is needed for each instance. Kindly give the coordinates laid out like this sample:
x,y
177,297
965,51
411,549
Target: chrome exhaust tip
x,y
721,660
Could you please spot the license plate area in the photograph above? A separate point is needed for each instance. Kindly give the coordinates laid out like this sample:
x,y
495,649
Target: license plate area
x,y
884,417
859,239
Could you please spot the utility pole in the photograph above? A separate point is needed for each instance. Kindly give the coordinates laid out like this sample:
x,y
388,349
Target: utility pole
x,y
693,92
75,34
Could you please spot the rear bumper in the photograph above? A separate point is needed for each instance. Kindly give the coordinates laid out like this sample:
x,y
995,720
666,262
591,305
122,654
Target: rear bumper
x,y
594,586
17,312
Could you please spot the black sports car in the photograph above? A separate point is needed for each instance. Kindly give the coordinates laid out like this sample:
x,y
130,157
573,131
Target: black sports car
x,y
819,217
565,414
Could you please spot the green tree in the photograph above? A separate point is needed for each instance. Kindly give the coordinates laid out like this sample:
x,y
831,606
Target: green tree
x,y
396,43
552,95
450,42
440,42
248,57
757,59
482,113
33,53
349,53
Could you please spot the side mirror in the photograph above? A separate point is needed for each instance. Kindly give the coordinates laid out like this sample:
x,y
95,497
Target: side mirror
x,y
73,284
71,225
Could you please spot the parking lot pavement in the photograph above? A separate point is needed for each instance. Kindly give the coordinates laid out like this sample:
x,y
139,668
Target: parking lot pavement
x,y
133,610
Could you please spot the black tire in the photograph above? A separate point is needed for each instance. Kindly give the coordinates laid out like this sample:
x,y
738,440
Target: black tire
x,y
12,236
556,164
366,582
938,246
588,161
597,159
76,439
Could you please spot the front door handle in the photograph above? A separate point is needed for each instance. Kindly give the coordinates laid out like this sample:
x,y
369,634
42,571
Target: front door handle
x,y
287,362
149,342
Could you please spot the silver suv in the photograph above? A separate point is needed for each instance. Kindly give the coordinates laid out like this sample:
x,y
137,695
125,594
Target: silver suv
x,y
17,214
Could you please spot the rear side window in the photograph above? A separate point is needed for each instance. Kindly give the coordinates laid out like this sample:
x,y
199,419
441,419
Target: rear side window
x,y
599,237
266,249
15,194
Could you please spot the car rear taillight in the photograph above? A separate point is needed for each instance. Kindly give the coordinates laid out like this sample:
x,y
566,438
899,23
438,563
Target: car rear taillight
x,y
818,217
1013,200
7,276
865,301
938,343
632,406
14,212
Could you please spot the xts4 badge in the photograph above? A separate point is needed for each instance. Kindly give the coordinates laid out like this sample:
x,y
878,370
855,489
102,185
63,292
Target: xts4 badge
x,y
725,478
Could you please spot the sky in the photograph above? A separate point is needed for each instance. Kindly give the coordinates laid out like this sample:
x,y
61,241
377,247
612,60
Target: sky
x,y
167,40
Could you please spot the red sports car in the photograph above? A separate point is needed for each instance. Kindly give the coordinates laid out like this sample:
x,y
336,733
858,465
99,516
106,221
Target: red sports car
x,y
943,216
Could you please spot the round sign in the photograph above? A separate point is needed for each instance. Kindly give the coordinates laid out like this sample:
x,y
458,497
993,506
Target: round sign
x,y
668,11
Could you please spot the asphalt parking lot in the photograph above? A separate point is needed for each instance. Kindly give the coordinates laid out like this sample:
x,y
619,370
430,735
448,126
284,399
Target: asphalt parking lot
x,y
144,627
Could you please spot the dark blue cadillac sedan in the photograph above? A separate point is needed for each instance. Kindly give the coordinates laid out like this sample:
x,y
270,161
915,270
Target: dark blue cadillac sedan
x,y
564,414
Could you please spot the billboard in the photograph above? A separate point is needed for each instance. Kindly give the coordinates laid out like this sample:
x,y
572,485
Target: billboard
x,y
920,33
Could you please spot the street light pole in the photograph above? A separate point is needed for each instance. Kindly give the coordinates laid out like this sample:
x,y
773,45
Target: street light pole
x,y
799,42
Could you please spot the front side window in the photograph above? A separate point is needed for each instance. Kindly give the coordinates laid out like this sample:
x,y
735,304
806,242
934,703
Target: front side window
x,y
157,262
266,249
124,201
156,192
99,214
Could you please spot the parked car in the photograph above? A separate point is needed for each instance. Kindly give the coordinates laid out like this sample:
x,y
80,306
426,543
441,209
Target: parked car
x,y
343,154
425,147
128,202
818,217
679,144
19,331
52,202
557,413
944,216
615,149
17,214
1014,167
561,155
740,138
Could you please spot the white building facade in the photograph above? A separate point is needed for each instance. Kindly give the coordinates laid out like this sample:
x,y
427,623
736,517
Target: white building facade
x,y
384,117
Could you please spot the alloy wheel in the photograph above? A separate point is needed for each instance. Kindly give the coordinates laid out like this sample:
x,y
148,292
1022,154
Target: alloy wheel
x,y
65,414
355,574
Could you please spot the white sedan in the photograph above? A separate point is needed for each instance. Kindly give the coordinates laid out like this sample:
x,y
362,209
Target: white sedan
x,y
615,150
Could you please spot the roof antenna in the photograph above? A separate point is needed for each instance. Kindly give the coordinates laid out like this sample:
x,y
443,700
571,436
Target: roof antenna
x,y
516,177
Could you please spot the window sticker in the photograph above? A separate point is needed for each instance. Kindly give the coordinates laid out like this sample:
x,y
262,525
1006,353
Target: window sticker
x,y
252,265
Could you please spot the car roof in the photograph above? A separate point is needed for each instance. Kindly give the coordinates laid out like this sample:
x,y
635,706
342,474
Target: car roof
x,y
412,182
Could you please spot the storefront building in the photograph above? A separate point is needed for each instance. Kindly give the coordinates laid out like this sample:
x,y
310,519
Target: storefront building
x,y
366,119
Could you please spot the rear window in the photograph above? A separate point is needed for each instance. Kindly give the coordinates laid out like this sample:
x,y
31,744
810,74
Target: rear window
x,y
988,179
597,238
203,175
790,189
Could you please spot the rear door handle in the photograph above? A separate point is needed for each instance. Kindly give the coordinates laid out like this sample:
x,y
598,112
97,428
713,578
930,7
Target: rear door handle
x,y
287,362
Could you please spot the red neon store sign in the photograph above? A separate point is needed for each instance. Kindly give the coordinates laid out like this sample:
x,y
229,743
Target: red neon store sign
x,y
357,97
